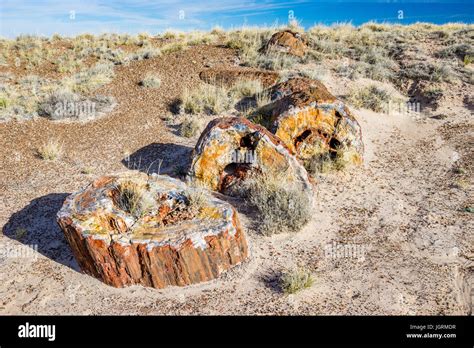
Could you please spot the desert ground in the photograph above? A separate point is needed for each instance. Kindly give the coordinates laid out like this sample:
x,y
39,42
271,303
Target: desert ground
x,y
408,207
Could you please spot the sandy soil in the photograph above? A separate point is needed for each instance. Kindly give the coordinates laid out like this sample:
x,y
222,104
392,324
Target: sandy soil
x,y
402,212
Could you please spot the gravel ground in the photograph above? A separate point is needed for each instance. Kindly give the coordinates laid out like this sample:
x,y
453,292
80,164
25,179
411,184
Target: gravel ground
x,y
402,212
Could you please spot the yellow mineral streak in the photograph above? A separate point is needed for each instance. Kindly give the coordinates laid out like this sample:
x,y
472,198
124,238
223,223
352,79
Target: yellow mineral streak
x,y
209,166
270,158
210,213
293,125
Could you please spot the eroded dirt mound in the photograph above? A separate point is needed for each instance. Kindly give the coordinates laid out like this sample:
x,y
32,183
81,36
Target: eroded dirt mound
x,y
232,147
151,230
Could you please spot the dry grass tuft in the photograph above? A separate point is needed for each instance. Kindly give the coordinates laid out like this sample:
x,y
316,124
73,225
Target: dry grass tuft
x,y
196,199
294,280
262,98
281,206
371,97
50,151
215,99
245,88
151,81
206,98
325,163
189,127
173,47
132,198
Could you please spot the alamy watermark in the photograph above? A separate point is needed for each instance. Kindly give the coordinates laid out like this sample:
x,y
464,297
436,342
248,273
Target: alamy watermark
x,y
28,330
243,156
337,250
409,108
74,109
19,252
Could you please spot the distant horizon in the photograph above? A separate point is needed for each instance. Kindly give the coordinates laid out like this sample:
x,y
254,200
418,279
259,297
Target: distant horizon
x,y
75,17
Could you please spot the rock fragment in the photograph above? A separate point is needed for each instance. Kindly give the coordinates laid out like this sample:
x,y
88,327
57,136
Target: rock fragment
x,y
286,41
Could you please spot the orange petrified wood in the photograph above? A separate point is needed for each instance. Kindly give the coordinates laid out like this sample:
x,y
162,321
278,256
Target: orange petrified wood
x,y
310,121
168,241
231,147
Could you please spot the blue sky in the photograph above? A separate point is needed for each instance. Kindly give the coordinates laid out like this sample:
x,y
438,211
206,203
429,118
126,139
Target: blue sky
x,y
70,17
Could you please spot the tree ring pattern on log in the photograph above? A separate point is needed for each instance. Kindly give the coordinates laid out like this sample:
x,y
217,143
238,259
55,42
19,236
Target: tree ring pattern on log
x,y
217,164
169,243
311,121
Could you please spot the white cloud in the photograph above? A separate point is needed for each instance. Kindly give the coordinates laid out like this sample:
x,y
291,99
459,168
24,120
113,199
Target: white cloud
x,y
52,16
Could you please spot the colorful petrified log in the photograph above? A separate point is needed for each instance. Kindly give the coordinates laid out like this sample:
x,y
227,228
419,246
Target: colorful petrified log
x,y
231,148
286,41
151,230
312,122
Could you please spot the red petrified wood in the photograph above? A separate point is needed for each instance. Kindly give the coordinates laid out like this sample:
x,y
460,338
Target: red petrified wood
x,y
151,230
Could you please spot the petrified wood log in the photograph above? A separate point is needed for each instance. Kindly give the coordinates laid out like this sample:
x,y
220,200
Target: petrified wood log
x,y
312,122
230,148
151,230
286,41
229,76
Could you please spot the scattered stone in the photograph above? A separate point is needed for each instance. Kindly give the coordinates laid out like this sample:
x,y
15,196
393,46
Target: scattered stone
x,y
230,148
229,76
286,41
311,122
151,230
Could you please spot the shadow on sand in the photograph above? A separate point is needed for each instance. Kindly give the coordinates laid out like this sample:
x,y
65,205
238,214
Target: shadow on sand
x,y
272,280
35,226
161,158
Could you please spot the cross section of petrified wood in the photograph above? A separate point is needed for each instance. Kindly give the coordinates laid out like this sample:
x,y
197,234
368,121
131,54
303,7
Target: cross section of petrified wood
x,y
230,148
229,76
151,230
286,41
312,122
